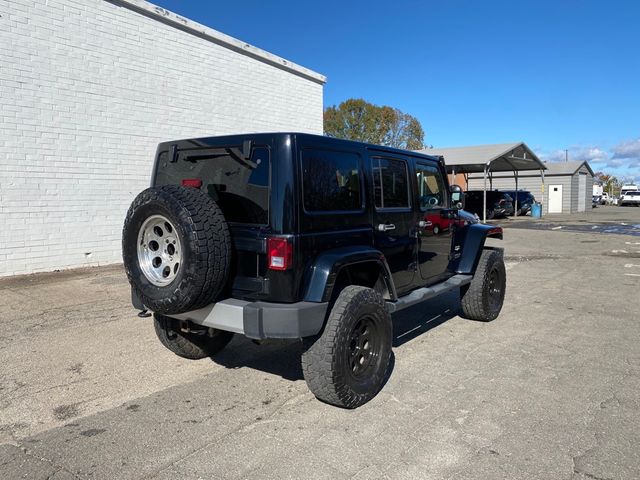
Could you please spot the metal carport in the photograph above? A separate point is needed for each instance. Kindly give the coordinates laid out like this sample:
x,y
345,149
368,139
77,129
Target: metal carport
x,y
486,159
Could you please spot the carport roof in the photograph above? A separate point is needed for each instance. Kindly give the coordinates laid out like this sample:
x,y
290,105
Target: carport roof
x,y
501,157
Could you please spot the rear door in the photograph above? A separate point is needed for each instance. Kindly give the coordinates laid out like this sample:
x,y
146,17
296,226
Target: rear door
x,y
394,221
434,235
239,182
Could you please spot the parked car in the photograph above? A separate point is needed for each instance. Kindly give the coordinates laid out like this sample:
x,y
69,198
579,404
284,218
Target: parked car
x,y
525,200
605,199
291,235
595,200
629,198
499,204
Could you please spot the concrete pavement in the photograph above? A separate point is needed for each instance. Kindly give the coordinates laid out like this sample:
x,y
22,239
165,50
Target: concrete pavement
x,y
548,390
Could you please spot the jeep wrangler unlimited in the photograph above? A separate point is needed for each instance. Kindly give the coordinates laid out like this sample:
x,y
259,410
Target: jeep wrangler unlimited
x,y
291,235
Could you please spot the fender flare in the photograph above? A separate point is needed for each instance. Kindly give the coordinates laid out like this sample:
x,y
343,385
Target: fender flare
x,y
472,244
326,267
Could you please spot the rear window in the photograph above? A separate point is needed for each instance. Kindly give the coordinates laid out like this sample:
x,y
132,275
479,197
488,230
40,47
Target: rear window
x,y
493,196
239,185
331,181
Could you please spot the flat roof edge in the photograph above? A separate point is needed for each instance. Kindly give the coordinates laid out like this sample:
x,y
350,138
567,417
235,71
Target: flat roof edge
x,y
169,18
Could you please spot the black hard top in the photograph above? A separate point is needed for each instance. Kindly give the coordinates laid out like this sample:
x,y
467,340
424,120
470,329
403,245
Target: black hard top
x,y
237,139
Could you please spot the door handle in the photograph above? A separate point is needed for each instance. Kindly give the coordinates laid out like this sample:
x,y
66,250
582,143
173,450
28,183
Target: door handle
x,y
425,224
385,227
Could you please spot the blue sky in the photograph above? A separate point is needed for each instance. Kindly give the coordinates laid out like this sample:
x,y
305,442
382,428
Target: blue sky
x,y
556,74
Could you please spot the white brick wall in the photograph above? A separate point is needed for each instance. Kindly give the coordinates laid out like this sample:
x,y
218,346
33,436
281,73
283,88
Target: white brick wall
x,y
87,90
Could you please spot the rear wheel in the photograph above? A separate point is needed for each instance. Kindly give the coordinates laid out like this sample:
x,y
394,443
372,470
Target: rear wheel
x,y
482,299
346,364
193,345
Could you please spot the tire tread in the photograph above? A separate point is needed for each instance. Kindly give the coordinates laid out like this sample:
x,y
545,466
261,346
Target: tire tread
x,y
209,240
319,360
192,347
473,297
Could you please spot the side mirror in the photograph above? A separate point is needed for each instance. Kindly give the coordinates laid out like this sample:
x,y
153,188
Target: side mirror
x,y
457,197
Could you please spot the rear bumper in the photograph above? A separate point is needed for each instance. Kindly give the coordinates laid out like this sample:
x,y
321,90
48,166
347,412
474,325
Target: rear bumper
x,y
261,320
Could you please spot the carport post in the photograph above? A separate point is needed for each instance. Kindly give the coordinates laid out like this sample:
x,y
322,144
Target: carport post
x,y
515,211
542,188
484,196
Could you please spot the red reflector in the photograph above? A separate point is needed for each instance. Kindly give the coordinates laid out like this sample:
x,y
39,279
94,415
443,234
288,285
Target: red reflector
x,y
279,253
192,182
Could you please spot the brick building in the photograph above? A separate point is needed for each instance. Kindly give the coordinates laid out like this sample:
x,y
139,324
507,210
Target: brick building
x,y
87,90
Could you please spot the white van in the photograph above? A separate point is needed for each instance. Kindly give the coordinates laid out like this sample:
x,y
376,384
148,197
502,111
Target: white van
x,y
629,188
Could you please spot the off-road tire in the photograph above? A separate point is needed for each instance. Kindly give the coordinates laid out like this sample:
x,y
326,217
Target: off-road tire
x,y
205,243
193,346
482,299
327,359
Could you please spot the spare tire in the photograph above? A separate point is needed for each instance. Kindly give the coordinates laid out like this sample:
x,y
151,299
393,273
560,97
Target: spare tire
x,y
176,248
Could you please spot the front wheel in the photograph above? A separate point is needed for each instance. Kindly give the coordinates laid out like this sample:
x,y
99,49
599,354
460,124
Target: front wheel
x,y
347,363
482,299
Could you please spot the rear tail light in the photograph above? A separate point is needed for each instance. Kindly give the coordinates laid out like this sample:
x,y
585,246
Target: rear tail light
x,y
192,182
279,253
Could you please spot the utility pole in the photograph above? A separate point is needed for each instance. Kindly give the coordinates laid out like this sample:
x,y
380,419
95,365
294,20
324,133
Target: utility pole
x,y
566,155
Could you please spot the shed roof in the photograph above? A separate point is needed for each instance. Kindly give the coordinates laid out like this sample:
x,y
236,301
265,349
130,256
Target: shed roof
x,y
566,168
500,157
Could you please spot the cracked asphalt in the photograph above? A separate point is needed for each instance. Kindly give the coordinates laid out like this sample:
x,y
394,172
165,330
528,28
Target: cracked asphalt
x,y
549,390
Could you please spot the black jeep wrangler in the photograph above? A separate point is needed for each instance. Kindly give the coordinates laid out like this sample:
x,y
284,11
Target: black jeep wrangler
x,y
291,235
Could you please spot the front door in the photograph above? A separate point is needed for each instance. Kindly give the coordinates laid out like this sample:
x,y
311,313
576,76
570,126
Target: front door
x,y
434,232
555,198
393,218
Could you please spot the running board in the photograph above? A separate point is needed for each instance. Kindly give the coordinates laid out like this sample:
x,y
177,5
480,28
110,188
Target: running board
x,y
426,293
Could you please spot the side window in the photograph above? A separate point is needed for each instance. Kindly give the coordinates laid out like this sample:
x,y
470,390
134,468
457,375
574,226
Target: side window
x,y
331,181
390,183
431,191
